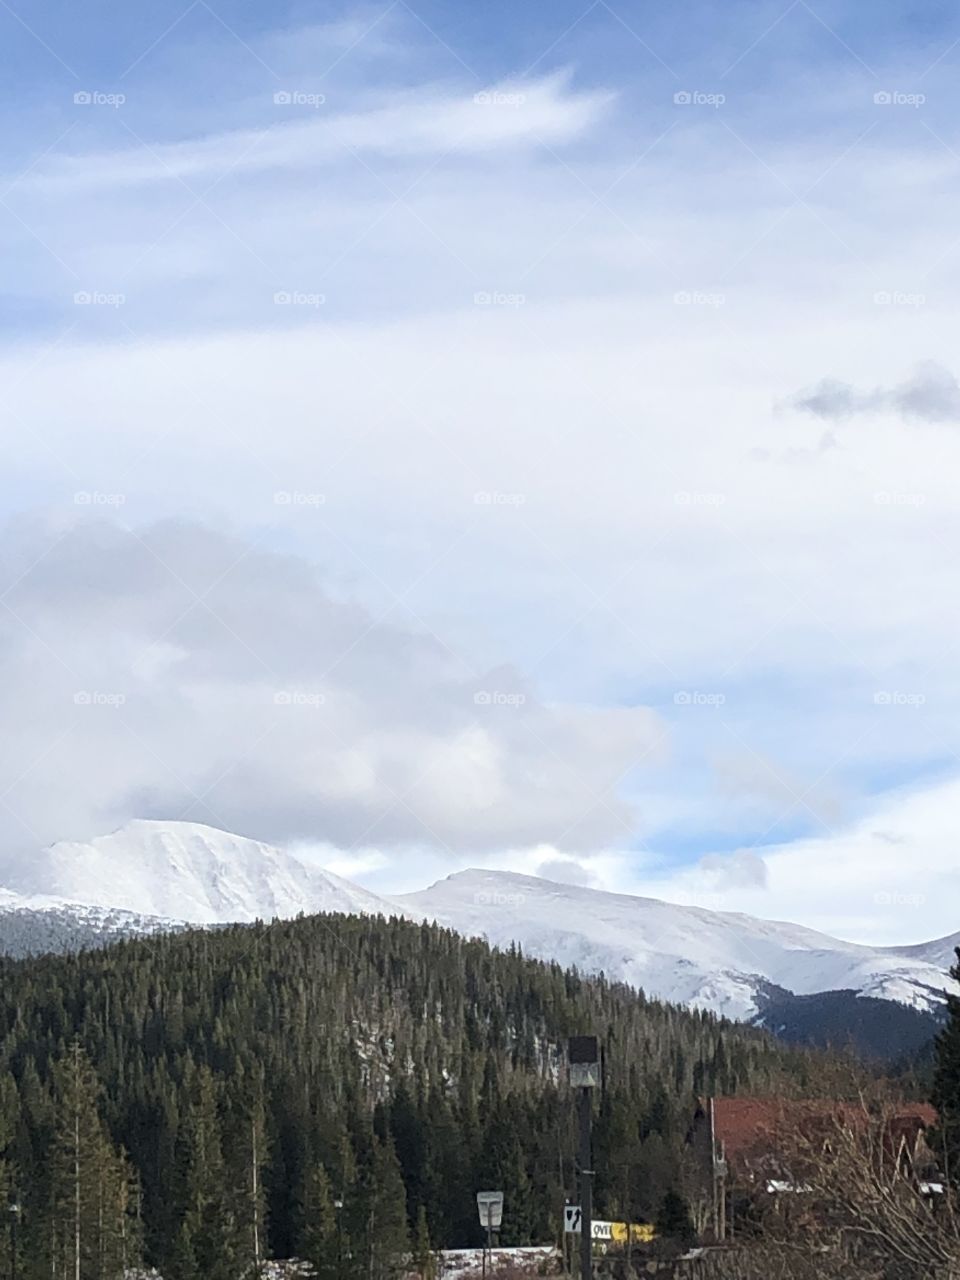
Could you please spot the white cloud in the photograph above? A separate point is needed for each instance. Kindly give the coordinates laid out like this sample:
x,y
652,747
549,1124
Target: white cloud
x,y
428,120
176,672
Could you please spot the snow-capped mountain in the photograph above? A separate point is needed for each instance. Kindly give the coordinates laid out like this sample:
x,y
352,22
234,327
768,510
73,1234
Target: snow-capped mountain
x,y
185,871
150,875
713,959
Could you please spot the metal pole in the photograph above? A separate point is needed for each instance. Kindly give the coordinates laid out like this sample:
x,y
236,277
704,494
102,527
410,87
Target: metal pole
x,y
490,1232
13,1244
586,1187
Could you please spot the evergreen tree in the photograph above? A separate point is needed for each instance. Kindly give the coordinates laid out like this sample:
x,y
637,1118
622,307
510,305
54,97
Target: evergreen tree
x,y
673,1220
423,1258
319,1243
384,1198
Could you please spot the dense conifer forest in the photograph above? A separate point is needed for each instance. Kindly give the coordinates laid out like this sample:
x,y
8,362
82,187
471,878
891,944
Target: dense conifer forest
x,y
334,1088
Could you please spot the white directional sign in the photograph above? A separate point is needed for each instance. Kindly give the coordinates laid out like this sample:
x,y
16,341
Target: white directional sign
x,y
490,1209
573,1221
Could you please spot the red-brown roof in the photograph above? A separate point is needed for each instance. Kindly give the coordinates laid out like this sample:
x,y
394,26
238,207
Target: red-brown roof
x,y
747,1125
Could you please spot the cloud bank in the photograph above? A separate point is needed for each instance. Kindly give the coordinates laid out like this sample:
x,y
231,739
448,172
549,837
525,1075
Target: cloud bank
x,y
177,672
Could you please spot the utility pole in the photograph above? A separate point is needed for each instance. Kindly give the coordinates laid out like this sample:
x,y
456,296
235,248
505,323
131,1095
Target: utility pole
x,y
584,1056
585,1102
13,1209
338,1209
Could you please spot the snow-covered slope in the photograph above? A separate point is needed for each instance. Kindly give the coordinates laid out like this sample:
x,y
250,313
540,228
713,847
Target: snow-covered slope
x,y
712,959
149,874
185,871
34,926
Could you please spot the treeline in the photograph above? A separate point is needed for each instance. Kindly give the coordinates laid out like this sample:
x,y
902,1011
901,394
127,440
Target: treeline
x,y
335,1088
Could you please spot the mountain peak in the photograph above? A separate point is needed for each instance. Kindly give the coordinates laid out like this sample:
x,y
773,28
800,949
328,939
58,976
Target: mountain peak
x,y
186,871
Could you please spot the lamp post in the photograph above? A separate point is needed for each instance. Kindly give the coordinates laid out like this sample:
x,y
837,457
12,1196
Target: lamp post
x,y
13,1212
584,1053
338,1206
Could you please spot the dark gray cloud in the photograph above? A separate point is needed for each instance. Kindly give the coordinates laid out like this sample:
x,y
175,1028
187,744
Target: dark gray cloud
x,y
931,394
176,672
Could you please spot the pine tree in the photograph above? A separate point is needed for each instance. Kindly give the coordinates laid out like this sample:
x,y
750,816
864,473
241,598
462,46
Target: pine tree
x,y
388,1243
212,1236
945,1094
82,1158
673,1220
423,1258
319,1243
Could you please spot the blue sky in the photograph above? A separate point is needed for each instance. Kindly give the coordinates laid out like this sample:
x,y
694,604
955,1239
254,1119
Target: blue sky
x,y
594,357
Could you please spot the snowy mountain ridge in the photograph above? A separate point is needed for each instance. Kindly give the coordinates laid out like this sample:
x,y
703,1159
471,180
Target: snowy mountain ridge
x,y
150,875
688,955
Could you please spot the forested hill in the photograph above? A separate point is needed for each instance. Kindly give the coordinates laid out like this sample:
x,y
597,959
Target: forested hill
x,y
207,1096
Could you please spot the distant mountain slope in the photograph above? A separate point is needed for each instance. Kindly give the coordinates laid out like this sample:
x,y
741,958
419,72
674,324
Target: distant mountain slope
x,y
717,960
149,873
33,926
871,1028
185,871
